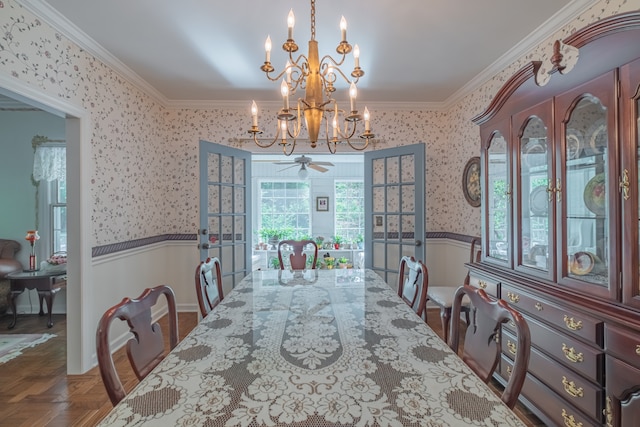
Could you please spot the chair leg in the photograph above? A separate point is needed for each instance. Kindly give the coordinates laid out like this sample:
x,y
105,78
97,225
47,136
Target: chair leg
x,y
445,317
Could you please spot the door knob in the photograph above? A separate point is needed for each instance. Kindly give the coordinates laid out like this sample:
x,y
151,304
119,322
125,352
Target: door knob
x,y
418,242
204,246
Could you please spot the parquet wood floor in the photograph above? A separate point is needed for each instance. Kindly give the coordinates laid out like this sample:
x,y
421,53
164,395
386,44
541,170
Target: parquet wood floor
x,y
36,391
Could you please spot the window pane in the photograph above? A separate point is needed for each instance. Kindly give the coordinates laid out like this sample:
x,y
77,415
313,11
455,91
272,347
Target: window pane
x,y
59,228
349,210
286,206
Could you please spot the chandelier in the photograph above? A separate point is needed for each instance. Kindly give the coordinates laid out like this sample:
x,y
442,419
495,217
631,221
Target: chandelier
x,y
317,78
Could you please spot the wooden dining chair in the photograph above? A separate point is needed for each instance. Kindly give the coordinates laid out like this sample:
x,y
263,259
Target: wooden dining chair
x,y
298,259
146,348
442,296
413,281
209,285
481,350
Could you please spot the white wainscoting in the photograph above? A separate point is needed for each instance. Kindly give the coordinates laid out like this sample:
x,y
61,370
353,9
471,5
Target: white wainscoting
x,y
445,262
173,263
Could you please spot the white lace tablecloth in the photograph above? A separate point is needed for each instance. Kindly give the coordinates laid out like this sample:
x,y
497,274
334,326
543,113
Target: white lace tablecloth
x,y
332,347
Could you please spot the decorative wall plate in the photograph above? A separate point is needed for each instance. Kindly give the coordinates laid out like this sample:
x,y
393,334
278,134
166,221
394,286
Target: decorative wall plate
x,y
575,141
597,137
535,154
471,182
538,201
595,195
583,263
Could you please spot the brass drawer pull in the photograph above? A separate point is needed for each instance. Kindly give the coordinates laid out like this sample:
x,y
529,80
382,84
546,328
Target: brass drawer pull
x,y
570,353
482,284
509,369
512,324
569,420
514,298
538,306
638,349
571,389
572,324
512,347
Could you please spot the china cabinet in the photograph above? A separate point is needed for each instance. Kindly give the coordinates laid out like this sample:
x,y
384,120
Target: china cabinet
x,y
560,220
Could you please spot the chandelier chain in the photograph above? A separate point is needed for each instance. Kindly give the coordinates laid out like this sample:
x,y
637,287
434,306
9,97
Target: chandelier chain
x,y
313,19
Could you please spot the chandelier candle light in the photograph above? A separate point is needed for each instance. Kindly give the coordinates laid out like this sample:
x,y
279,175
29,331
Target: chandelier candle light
x,y
32,236
317,78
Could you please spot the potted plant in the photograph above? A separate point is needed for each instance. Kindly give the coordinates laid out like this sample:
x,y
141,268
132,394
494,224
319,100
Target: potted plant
x,y
329,262
343,262
271,236
337,241
360,241
275,263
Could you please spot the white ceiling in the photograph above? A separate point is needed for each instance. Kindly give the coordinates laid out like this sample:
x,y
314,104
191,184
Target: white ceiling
x,y
413,51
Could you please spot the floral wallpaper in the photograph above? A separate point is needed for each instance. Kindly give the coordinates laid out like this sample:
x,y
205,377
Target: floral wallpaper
x,y
145,156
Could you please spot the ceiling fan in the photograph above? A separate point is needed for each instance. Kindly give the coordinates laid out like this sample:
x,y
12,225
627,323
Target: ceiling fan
x,y
305,162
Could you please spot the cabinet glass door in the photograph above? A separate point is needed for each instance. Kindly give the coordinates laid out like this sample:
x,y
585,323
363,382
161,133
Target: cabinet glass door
x,y
498,190
630,110
589,187
532,221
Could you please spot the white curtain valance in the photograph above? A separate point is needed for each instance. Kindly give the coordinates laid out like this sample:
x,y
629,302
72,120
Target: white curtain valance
x,y
50,163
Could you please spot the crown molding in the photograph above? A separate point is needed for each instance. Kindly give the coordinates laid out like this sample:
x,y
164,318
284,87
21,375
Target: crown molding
x,y
76,35
60,23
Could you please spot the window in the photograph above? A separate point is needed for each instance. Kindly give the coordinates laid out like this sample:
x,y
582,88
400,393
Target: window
x,y
285,205
53,216
58,212
349,209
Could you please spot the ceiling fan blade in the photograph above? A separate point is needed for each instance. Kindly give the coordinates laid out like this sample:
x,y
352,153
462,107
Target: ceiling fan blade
x,y
323,163
285,163
287,168
316,167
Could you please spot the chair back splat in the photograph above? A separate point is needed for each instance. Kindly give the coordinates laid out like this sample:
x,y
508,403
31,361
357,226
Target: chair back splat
x,y
298,259
209,285
481,343
146,349
413,281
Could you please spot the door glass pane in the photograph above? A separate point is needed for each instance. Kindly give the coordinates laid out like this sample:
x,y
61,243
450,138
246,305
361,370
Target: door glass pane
x,y
393,170
498,193
587,215
534,199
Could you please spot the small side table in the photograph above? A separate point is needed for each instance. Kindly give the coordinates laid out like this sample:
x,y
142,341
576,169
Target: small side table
x,y
48,284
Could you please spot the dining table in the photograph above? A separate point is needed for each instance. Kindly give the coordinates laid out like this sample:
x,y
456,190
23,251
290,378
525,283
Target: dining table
x,y
312,348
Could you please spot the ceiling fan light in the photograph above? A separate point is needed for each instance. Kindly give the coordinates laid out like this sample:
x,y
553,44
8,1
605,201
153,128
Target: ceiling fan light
x,y
303,173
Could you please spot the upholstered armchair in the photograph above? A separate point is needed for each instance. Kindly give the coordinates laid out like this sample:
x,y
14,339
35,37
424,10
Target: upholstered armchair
x,y
8,264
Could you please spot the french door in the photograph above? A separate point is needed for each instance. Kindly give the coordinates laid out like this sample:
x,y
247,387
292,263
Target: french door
x,y
225,194
394,208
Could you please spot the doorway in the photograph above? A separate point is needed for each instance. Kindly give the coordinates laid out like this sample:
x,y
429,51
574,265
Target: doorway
x,y
77,132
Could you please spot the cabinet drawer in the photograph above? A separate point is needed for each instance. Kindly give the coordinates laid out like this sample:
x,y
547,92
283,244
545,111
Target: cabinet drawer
x,y
561,412
567,320
572,353
489,286
583,394
623,343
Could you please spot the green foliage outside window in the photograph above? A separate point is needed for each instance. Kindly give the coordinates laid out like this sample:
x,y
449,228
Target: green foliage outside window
x,y
285,206
349,210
